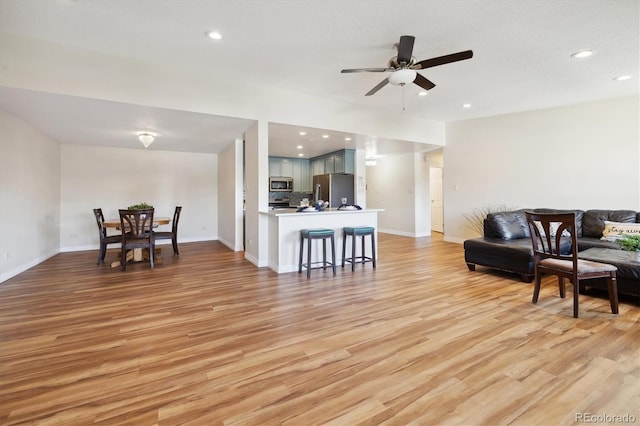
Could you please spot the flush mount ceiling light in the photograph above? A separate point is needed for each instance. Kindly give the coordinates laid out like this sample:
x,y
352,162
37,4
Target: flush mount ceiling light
x,y
214,35
146,139
402,77
585,53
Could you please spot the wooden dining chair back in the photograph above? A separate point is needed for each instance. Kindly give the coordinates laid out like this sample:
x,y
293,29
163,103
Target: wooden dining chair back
x,y
173,234
137,232
550,233
104,238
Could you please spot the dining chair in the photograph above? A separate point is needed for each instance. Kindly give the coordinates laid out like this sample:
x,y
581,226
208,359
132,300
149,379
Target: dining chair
x,y
173,234
550,234
137,232
104,238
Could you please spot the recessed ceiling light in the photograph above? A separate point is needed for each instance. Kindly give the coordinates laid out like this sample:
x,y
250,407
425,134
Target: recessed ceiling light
x,y
325,136
302,133
301,155
422,93
347,138
466,105
622,78
582,53
299,147
214,35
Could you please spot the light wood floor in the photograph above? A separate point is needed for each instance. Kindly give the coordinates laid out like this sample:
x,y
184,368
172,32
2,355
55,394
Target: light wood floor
x,y
209,339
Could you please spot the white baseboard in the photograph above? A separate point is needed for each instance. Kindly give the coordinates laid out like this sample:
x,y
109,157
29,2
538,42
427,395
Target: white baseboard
x,y
21,268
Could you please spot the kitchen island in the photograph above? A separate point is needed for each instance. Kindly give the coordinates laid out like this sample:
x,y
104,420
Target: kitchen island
x,y
285,226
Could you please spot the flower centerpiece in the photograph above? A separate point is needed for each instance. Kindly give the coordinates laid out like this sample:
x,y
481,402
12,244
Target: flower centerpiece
x,y
140,206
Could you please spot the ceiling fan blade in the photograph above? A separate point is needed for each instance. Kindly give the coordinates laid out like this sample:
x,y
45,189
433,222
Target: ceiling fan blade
x,y
367,70
378,87
405,49
424,82
441,60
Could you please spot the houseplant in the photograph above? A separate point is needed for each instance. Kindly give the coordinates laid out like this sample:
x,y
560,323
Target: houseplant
x,y
476,218
630,242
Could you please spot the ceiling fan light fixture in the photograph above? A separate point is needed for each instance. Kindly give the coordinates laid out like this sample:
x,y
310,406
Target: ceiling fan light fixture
x,y
402,77
146,139
585,53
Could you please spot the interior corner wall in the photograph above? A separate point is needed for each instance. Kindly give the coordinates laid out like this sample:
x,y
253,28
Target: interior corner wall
x,y
115,178
584,156
230,164
29,196
256,178
422,195
391,186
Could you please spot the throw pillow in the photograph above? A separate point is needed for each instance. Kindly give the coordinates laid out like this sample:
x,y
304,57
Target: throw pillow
x,y
553,229
615,230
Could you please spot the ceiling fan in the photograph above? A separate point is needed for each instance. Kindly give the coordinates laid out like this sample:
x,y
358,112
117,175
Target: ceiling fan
x,y
404,66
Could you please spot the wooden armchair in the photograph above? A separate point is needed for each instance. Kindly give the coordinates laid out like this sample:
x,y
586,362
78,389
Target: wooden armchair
x,y
173,234
137,232
104,238
548,233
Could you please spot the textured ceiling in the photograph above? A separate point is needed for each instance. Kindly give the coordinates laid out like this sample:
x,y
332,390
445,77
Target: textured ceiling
x,y
521,48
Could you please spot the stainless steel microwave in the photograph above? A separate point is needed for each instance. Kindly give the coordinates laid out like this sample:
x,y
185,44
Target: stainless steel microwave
x,y
280,184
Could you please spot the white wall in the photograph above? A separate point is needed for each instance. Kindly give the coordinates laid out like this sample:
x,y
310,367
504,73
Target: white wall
x,y
583,156
114,178
392,186
230,164
29,196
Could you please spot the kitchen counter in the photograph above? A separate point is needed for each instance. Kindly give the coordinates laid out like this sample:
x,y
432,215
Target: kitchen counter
x,y
292,210
284,232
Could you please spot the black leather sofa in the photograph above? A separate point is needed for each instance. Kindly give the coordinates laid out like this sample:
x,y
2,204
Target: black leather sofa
x,y
506,244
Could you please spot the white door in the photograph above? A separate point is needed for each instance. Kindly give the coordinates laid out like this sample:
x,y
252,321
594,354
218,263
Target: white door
x,y
435,188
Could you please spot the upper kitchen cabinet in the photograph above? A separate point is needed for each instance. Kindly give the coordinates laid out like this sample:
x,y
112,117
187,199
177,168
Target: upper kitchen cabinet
x,y
297,168
342,161
280,166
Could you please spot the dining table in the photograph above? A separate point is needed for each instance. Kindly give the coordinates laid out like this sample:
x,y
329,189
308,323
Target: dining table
x,y
137,254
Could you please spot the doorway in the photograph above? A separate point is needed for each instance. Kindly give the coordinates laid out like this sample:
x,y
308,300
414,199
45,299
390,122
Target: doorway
x,y
435,189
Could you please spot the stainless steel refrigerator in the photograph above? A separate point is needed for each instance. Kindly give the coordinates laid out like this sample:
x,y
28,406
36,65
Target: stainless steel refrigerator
x,y
333,187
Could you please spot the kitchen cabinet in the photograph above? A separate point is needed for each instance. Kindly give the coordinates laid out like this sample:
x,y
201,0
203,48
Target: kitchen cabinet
x,y
279,166
342,161
317,167
297,168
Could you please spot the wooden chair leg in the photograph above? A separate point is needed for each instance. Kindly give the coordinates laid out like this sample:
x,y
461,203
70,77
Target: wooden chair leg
x,y
536,288
561,287
612,286
576,286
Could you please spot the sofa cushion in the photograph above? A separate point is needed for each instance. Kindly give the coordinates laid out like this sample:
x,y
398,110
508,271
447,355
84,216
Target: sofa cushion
x,y
590,242
508,225
593,220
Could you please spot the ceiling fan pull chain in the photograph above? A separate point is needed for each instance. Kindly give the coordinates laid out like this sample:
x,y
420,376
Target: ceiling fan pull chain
x,y
403,88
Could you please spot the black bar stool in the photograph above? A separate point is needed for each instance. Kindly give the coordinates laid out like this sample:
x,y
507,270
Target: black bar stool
x,y
358,231
317,234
